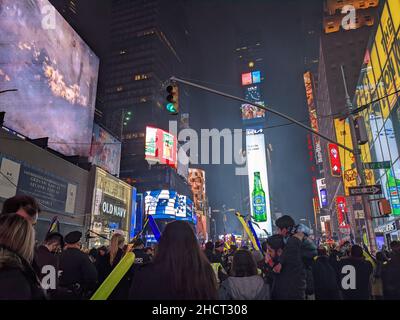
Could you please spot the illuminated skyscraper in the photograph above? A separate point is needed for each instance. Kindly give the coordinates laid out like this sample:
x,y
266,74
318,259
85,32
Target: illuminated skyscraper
x,y
342,43
147,47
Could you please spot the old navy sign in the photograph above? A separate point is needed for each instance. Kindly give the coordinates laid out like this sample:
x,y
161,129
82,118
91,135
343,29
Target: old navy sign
x,y
112,209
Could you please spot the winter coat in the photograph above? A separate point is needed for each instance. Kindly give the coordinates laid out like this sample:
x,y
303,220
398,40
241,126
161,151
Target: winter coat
x,y
78,274
244,288
325,280
44,257
290,283
18,280
391,278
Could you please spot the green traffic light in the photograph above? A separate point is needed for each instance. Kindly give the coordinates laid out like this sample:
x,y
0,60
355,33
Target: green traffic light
x,y
171,108
129,113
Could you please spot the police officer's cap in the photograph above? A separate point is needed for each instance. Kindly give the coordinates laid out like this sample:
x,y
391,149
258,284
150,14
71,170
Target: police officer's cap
x,y
73,237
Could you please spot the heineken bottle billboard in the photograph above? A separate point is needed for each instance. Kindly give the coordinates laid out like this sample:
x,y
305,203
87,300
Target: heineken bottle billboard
x,y
258,182
259,201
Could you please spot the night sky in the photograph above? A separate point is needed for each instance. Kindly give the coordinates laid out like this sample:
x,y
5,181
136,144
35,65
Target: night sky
x,y
213,28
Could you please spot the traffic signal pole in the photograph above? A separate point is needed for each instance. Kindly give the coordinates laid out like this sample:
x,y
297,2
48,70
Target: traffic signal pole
x,y
277,113
360,170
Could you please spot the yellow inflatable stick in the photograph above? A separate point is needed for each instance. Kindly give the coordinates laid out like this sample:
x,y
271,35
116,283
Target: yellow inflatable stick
x,y
108,286
249,233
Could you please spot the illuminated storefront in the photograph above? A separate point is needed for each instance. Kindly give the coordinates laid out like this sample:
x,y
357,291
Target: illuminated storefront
x,y
379,82
110,207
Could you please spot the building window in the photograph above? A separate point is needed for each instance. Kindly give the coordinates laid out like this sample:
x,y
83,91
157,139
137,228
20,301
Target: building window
x,y
139,77
119,89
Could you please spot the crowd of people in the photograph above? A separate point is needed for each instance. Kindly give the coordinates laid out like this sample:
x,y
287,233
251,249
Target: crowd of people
x,y
288,266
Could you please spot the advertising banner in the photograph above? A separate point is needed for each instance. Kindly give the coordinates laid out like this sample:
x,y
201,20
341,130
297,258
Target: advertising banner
x,y
309,85
322,193
197,181
105,151
161,147
53,193
334,160
258,183
55,71
341,207
379,80
111,206
168,204
343,136
251,78
9,178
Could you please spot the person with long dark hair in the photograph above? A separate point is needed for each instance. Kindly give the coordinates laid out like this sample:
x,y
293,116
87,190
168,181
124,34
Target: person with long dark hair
x,y
179,271
244,283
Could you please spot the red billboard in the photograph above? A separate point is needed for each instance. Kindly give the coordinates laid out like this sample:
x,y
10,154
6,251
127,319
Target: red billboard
x,y
247,79
334,160
161,147
341,207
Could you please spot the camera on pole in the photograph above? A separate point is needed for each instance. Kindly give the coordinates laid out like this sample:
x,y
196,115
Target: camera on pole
x,y
172,105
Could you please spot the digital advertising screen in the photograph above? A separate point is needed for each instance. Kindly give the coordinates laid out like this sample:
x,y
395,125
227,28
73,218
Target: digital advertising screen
x,y
386,149
250,78
168,204
197,181
253,94
250,112
105,151
55,73
380,241
161,147
258,183
247,79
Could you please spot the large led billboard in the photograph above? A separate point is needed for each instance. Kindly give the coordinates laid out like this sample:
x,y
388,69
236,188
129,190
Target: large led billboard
x,y
105,151
343,136
55,73
309,86
168,204
111,206
161,147
379,80
258,182
334,160
251,78
197,181
390,179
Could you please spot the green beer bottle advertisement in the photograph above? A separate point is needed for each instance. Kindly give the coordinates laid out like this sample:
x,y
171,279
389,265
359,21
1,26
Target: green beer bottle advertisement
x,y
259,201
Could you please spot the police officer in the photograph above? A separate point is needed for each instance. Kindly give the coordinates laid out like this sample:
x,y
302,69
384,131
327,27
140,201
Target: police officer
x,y
78,274
141,257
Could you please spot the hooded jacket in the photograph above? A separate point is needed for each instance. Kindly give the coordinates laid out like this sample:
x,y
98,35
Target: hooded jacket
x,y
244,288
18,280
